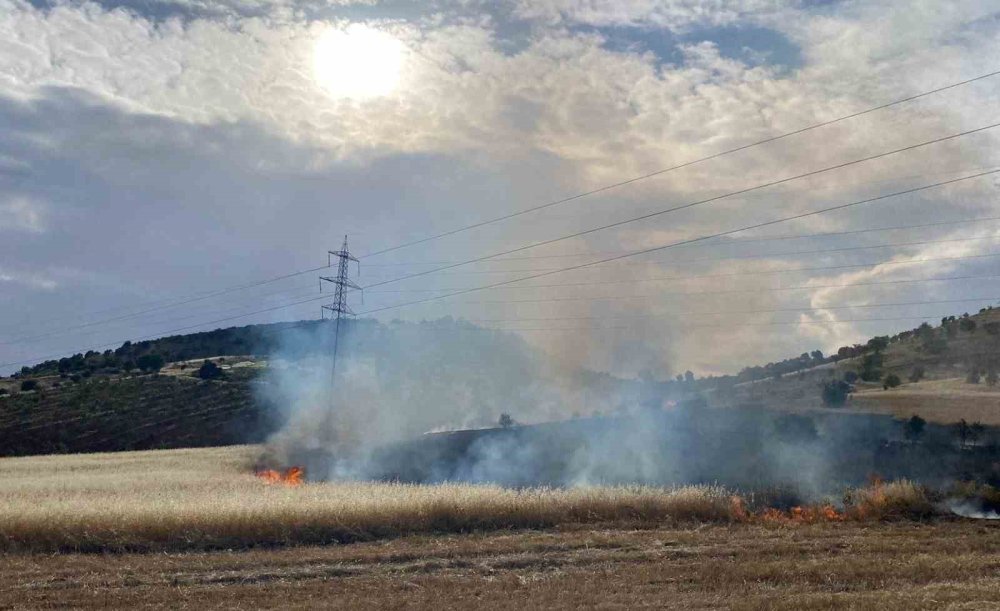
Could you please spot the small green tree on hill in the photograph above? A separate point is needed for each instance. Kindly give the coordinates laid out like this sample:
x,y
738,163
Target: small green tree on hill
x,y
891,381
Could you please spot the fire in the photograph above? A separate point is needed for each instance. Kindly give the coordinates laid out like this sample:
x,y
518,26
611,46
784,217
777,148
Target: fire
x,y
292,476
801,515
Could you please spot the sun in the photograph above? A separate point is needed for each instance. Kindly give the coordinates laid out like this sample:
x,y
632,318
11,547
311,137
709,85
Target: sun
x,y
358,62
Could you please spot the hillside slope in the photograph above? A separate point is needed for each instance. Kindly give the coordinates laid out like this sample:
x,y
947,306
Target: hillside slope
x,y
945,372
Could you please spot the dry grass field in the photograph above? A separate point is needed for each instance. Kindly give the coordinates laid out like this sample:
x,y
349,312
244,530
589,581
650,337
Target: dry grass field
x,y
942,401
195,529
210,498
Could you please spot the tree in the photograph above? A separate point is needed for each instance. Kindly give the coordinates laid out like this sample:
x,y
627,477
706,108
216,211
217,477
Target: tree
x,y
128,365
506,421
688,376
871,367
817,355
209,371
934,345
962,431
878,343
835,393
913,429
973,375
967,324
917,374
850,377
891,381
3,391
27,385
150,362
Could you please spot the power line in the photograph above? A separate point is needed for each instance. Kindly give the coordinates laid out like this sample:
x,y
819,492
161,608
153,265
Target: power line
x,y
726,243
739,257
297,289
756,256
734,325
701,202
183,301
725,312
688,241
682,165
706,276
734,291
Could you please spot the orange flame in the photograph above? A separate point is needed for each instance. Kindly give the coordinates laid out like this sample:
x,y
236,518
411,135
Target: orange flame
x,y
801,515
292,476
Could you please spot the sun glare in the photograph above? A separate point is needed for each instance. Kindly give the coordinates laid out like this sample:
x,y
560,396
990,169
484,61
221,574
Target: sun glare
x,y
358,62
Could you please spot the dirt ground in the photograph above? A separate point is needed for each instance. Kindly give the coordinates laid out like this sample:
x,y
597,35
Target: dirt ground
x,y
949,564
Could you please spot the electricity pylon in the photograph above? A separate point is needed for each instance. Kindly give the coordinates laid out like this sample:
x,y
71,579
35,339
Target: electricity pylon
x,y
339,307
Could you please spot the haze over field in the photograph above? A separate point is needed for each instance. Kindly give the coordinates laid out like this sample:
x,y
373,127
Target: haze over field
x,y
156,149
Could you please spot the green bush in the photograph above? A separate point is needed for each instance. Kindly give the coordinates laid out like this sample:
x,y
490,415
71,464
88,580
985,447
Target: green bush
x,y
835,393
150,362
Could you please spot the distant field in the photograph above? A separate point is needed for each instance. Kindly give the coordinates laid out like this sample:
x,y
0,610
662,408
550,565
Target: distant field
x,y
942,401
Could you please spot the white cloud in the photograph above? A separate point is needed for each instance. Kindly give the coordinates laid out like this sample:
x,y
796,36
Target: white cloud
x,y
20,213
597,114
30,280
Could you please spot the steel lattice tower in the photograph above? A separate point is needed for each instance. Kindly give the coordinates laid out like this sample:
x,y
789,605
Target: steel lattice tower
x,y
339,307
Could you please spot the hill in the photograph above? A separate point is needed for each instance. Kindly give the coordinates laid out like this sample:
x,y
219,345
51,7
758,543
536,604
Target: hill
x,y
152,394
943,373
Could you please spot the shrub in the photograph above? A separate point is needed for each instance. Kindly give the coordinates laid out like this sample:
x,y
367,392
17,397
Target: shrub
x,y
917,374
973,376
4,391
209,371
150,362
968,325
850,377
991,377
871,367
506,421
891,381
27,385
896,500
935,345
835,393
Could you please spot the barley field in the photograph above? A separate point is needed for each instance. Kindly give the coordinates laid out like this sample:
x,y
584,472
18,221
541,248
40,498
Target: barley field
x,y
211,499
224,538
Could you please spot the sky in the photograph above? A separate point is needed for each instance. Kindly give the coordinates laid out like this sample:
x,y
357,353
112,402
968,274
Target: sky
x,y
162,150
